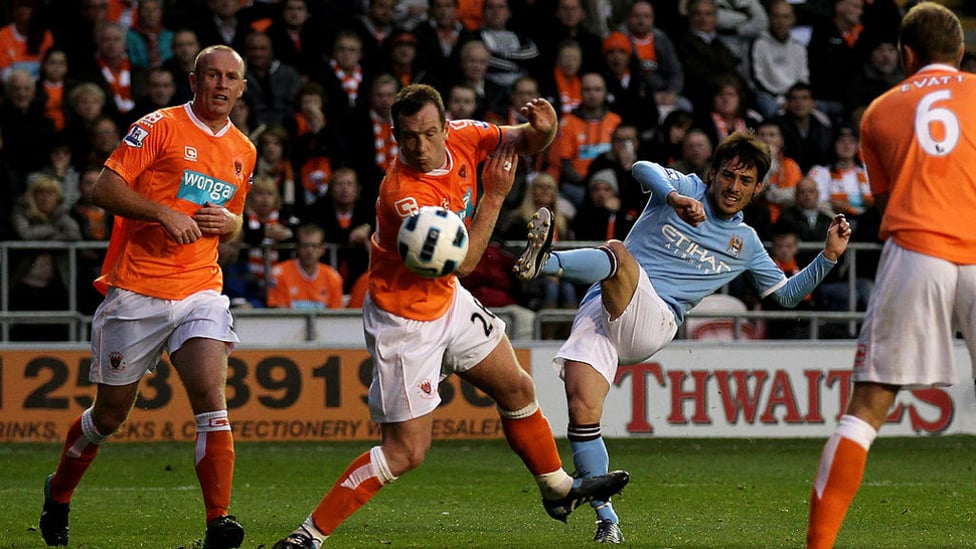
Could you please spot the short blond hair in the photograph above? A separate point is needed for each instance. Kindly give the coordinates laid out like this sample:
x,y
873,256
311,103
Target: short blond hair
x,y
42,182
267,183
86,88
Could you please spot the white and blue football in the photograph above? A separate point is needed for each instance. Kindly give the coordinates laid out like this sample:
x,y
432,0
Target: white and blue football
x,y
432,242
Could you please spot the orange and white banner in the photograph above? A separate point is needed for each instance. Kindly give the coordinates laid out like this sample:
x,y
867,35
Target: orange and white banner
x,y
281,394
688,389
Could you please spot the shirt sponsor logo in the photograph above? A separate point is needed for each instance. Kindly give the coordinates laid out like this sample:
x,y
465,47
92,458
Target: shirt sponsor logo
x,y
201,188
468,200
406,206
136,136
592,150
681,246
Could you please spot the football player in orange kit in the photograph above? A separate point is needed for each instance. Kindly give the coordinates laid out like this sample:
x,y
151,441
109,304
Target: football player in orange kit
x,y
176,184
420,330
921,163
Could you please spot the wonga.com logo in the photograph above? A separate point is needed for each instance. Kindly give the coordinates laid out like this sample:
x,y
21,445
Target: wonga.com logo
x,y
201,188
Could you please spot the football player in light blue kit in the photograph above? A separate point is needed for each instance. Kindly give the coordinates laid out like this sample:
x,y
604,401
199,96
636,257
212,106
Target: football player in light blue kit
x,y
689,241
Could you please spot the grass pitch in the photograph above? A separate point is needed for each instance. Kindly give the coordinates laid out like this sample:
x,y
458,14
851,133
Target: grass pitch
x,y
716,493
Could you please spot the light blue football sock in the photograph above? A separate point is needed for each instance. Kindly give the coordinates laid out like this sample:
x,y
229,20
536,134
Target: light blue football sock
x,y
591,459
584,266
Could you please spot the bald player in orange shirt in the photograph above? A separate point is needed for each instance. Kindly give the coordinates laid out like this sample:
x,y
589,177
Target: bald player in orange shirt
x,y
420,330
917,145
176,184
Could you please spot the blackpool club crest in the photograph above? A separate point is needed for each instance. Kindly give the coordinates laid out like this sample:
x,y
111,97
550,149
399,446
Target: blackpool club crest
x,y
427,389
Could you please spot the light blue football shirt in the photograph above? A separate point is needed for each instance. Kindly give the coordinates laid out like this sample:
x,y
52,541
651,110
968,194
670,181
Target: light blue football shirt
x,y
685,263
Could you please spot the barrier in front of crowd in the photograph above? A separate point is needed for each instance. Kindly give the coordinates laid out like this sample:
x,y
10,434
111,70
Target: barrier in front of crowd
x,y
333,326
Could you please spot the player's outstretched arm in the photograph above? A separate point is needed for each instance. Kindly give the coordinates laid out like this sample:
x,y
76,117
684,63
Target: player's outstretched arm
x,y
115,195
802,283
538,132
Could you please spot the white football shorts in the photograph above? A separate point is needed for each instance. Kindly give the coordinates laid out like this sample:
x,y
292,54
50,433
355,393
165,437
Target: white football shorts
x,y
918,305
646,325
410,357
130,331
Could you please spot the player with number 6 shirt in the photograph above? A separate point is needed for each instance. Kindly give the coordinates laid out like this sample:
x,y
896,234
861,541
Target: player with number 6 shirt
x,y
918,147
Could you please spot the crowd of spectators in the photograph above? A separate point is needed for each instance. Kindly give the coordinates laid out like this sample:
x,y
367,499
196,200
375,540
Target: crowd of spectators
x,y
631,79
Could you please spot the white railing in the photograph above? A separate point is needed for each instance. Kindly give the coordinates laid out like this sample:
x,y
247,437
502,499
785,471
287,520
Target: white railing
x,y
318,326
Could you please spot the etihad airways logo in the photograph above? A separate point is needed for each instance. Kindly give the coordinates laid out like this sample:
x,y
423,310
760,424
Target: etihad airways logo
x,y
685,248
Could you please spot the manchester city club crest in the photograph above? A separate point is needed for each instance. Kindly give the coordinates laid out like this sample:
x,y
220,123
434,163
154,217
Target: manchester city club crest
x,y
735,245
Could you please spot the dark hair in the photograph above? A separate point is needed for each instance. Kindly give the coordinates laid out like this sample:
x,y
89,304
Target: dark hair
x,y
344,34
36,29
410,99
799,86
51,51
782,228
750,151
309,229
313,88
678,117
278,132
933,32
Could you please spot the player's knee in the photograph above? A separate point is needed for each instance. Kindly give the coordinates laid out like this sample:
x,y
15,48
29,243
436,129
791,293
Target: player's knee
x,y
521,391
582,411
413,460
404,457
620,252
108,420
510,386
206,397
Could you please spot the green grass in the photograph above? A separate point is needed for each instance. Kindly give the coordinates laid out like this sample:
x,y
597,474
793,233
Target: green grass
x,y
917,492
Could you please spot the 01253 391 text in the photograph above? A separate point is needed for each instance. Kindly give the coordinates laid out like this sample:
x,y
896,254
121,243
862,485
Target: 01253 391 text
x,y
294,394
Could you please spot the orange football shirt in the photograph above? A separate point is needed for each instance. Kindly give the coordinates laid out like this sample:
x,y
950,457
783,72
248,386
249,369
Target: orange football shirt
x,y
13,50
580,141
172,158
918,145
392,286
294,289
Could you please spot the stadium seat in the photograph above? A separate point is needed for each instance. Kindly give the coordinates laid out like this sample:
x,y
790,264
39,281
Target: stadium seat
x,y
719,328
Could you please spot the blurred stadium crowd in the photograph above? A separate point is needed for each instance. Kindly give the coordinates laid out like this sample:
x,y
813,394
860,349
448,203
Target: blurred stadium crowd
x,y
661,80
